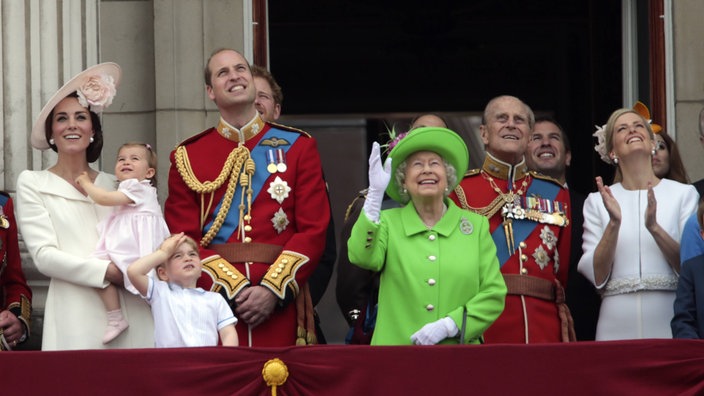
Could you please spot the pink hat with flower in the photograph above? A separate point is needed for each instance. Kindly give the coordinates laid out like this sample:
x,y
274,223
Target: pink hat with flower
x,y
96,87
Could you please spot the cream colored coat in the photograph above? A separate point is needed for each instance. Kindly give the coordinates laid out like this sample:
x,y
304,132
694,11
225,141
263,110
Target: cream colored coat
x,y
58,225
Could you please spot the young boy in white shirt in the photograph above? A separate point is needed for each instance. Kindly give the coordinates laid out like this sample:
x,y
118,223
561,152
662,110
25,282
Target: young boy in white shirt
x,y
184,315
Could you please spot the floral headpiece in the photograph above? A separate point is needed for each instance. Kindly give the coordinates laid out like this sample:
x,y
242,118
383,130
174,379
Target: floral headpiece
x,y
600,133
394,138
97,92
95,86
600,147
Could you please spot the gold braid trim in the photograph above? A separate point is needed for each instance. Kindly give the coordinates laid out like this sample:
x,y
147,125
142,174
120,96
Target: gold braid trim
x,y
224,275
233,168
487,211
282,273
183,165
23,311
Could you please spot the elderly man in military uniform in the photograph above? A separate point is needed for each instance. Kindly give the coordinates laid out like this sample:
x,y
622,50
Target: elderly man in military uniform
x,y
253,194
529,219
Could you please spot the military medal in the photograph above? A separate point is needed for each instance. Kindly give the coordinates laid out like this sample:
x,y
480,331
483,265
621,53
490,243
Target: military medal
x,y
278,189
511,209
281,161
271,161
545,211
280,221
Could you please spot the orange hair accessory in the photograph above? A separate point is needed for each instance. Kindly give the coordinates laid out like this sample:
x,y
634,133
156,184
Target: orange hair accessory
x,y
642,109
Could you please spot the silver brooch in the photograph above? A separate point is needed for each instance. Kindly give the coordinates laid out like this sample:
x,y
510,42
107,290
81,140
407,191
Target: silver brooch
x,y
466,226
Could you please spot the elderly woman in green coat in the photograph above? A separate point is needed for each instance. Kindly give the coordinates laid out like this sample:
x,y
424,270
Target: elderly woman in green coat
x,y
440,278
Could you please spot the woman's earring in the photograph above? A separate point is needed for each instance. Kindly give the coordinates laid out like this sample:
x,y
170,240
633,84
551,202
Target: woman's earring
x,y
405,191
51,141
653,152
91,139
616,160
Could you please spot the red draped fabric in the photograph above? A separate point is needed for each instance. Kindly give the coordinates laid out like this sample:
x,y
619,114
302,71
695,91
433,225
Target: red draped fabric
x,y
643,367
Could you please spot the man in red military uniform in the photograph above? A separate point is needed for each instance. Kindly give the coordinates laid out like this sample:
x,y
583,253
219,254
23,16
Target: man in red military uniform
x,y
253,194
15,295
529,219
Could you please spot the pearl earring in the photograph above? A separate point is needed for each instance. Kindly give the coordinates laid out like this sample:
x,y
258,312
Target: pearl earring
x,y
653,152
51,141
616,160
91,139
405,191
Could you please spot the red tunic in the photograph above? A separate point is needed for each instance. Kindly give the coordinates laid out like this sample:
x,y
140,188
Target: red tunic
x,y
306,208
15,295
543,252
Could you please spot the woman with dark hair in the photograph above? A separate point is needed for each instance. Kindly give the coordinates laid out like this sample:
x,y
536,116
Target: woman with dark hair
x,y
59,221
667,162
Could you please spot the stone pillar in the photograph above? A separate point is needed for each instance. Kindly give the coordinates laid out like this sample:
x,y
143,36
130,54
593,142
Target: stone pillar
x,y
185,34
42,45
689,81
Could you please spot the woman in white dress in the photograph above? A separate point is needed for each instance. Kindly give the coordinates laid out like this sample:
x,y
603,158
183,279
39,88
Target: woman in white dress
x,y
631,234
59,222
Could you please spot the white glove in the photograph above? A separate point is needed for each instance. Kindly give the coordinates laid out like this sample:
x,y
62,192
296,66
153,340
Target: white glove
x,y
434,332
379,177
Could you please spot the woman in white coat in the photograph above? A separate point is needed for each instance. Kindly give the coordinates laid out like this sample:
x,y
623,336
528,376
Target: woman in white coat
x,y
58,220
632,232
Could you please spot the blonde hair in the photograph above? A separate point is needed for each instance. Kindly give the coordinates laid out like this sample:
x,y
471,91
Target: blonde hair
x,y
611,123
186,240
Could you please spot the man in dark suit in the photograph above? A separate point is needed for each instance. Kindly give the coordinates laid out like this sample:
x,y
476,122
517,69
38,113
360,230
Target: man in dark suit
x,y
549,153
688,321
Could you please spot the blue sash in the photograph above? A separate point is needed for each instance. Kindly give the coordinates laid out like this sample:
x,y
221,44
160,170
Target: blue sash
x,y
261,175
522,228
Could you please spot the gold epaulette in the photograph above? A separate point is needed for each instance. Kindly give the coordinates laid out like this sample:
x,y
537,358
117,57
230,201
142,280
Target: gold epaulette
x,y
541,176
282,273
225,275
472,172
289,128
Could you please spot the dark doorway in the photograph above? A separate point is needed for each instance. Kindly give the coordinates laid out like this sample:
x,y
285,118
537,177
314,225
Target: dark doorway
x,y
370,57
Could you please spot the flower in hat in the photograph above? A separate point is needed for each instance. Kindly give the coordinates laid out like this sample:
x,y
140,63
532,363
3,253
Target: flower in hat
x,y
442,141
600,147
97,92
394,138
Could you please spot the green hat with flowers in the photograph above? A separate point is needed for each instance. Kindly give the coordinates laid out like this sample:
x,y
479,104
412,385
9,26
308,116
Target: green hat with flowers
x,y
442,141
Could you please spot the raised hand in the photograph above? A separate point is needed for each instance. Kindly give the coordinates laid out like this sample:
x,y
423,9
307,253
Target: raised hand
x,y
611,204
379,177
